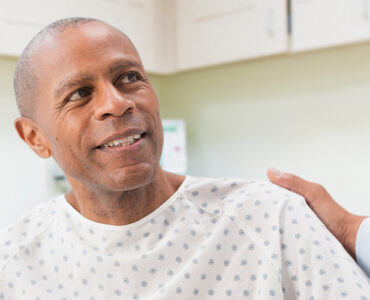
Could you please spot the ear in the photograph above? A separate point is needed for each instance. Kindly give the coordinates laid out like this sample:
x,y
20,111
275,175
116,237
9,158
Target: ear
x,y
32,134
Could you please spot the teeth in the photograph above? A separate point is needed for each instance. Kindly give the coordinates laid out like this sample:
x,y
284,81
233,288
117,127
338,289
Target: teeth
x,y
122,142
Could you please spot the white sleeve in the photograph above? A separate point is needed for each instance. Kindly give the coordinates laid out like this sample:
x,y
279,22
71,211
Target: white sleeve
x,y
363,246
314,264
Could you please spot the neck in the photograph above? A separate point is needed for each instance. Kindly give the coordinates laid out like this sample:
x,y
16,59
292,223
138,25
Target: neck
x,y
124,207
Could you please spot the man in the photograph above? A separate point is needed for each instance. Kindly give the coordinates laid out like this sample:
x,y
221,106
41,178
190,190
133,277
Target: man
x,y
351,230
129,230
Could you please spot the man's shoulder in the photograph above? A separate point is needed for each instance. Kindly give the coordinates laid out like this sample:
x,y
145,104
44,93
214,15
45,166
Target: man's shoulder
x,y
239,196
26,229
256,208
226,188
204,186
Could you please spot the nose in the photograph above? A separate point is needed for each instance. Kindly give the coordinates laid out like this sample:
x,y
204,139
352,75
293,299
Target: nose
x,y
111,102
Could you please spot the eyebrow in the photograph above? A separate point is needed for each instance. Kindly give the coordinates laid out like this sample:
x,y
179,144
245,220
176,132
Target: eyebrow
x,y
71,82
124,65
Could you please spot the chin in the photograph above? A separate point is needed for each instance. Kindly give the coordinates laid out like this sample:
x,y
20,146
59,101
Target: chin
x,y
131,178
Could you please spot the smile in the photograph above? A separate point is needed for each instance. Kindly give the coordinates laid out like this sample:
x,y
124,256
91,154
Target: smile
x,y
127,141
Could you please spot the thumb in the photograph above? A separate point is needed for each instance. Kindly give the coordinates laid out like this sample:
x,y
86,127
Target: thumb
x,y
290,182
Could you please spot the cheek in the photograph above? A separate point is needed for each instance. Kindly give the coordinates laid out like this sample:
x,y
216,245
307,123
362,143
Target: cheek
x,y
66,133
70,156
157,124
160,132
68,139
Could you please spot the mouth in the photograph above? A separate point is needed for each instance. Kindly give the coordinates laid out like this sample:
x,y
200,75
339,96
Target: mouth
x,y
123,142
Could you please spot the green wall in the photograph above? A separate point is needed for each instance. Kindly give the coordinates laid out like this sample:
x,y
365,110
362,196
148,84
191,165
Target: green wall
x,y
306,113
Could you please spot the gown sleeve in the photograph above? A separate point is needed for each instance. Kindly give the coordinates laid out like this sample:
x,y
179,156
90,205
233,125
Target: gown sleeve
x,y
363,246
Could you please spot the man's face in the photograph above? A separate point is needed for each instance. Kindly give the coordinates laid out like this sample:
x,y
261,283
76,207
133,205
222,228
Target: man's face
x,y
97,108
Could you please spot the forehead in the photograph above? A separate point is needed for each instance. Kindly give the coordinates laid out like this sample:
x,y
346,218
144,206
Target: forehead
x,y
87,48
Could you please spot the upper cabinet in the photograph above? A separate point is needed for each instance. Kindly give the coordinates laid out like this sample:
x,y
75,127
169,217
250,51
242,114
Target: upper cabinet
x,y
212,32
322,23
20,20
170,35
177,35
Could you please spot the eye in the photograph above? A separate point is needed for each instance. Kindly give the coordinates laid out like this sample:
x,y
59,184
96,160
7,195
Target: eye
x,y
79,94
130,77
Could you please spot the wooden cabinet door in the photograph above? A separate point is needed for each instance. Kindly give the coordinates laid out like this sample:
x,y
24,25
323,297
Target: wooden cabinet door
x,y
323,23
213,32
20,20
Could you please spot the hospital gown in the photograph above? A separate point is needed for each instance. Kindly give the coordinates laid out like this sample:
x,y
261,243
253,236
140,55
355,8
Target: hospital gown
x,y
213,239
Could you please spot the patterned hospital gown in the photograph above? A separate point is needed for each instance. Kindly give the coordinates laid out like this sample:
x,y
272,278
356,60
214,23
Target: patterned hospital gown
x,y
213,239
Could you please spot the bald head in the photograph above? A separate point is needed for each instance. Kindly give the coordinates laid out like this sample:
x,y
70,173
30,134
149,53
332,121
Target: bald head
x,y
25,77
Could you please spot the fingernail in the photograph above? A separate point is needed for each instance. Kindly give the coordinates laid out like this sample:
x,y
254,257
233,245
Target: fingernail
x,y
276,172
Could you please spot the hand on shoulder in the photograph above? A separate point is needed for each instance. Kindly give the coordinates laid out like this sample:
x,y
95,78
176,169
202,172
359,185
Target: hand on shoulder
x,y
340,222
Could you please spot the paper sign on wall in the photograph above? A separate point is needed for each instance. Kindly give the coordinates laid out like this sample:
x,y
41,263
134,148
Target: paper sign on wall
x,y
174,147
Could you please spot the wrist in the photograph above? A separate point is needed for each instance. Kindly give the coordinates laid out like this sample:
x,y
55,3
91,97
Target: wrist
x,y
351,225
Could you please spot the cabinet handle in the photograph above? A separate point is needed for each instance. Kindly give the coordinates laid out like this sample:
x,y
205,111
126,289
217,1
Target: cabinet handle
x,y
271,22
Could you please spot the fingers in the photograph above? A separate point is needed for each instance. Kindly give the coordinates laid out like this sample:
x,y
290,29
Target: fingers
x,y
292,182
